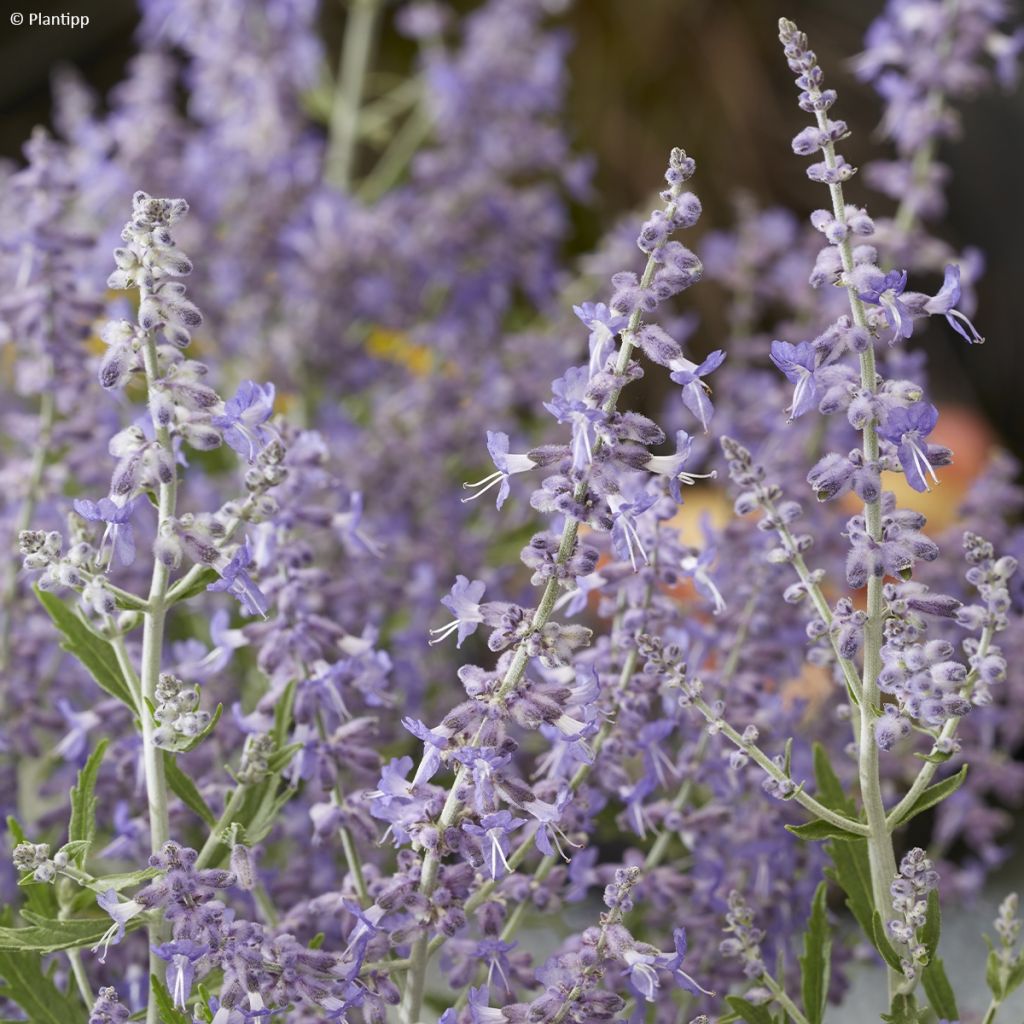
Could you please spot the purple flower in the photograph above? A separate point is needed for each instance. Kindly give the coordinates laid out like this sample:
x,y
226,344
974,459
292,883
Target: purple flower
x,y
626,540
464,603
797,364
570,406
695,391
492,832
604,326
119,531
644,967
885,291
243,418
907,429
181,957
121,913
235,579
506,465
672,466
943,302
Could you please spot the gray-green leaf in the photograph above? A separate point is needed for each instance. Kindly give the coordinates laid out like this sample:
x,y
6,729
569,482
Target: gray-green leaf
x,y
92,651
83,802
815,964
934,795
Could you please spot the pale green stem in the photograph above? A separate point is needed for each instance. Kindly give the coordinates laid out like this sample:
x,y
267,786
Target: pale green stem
x,y
759,757
412,1002
783,1000
393,161
357,44
990,1013
881,856
214,840
81,978
817,596
153,626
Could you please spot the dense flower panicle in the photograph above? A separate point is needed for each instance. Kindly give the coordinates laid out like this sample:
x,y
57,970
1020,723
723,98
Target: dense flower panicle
x,y
570,769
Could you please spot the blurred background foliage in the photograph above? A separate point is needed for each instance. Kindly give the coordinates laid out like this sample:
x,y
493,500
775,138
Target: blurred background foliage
x,y
707,74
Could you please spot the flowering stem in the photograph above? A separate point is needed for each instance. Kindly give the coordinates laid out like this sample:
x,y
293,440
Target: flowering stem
x,y
360,29
881,857
757,755
153,625
656,854
817,596
929,768
413,997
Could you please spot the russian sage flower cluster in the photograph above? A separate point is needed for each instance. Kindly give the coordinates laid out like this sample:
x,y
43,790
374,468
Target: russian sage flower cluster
x,y
657,767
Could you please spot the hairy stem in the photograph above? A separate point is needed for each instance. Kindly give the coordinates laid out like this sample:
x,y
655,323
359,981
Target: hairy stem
x,y
759,757
881,856
153,627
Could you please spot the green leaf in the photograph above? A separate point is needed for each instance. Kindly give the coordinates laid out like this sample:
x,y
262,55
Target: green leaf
x,y
317,941
1015,977
902,1011
993,972
185,788
169,1013
815,964
197,586
95,653
851,871
750,1012
200,736
830,789
939,991
932,928
83,802
820,829
935,757
280,759
283,714
934,795
48,934
25,984
883,945
123,880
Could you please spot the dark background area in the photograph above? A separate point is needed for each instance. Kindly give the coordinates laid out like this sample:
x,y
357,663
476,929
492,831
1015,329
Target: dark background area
x,y
650,74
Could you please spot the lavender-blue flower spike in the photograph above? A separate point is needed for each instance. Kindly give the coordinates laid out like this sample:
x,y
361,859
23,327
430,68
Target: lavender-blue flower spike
x,y
833,171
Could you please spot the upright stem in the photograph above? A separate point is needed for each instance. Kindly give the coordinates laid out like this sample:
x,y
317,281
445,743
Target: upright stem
x,y
357,44
153,624
881,856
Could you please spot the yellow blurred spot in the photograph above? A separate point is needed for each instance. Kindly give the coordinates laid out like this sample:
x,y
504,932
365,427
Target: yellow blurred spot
x,y
395,347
